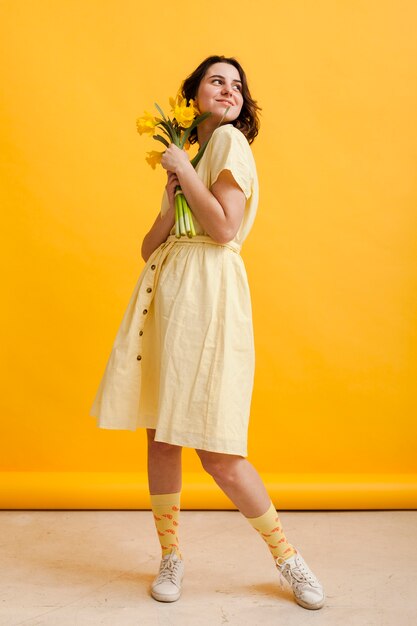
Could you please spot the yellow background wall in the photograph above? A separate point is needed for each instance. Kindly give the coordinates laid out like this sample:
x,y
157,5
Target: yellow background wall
x,y
331,258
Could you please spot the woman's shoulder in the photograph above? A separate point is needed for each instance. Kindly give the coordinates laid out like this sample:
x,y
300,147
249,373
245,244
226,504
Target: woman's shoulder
x,y
228,137
230,130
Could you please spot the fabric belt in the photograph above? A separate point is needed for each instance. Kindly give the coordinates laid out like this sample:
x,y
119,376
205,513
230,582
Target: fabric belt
x,y
204,239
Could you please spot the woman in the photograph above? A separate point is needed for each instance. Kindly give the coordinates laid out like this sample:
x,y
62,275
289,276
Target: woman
x,y
182,364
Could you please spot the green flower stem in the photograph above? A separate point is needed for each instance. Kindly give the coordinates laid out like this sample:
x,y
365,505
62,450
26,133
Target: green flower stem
x,y
186,212
184,224
177,222
192,225
180,212
177,216
188,217
191,229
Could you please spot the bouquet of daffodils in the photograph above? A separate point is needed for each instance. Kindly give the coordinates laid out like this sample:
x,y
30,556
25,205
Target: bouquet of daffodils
x,y
185,117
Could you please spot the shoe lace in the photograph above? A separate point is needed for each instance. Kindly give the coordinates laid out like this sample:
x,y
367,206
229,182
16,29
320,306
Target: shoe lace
x,y
297,575
168,570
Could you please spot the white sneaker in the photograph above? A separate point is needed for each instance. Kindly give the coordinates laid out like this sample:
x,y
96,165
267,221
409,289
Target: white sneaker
x,y
308,591
167,585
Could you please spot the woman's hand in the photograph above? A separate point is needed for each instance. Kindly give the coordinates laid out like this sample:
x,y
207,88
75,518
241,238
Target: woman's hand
x,y
174,159
170,187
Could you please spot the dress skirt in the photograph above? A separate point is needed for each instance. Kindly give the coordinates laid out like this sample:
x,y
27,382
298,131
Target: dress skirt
x,y
183,358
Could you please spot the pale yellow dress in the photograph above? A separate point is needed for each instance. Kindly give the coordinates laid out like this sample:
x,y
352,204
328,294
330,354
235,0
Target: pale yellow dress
x,y
183,358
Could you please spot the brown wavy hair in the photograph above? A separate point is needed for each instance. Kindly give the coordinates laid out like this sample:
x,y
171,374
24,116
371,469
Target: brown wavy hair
x,y
248,120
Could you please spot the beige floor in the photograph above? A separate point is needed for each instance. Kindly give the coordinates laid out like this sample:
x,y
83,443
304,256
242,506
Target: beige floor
x,y
80,568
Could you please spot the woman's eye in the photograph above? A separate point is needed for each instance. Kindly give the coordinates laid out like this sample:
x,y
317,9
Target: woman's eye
x,y
218,80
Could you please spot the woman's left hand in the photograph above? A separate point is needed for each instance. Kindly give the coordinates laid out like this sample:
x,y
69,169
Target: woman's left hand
x,y
174,158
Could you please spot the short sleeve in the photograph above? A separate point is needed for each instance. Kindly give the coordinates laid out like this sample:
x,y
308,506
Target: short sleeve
x,y
230,150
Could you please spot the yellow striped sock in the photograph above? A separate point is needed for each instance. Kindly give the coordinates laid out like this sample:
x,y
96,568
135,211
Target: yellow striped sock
x,y
269,527
166,508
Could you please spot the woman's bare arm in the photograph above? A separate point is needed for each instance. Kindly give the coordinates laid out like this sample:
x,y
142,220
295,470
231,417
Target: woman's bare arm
x,y
158,233
162,226
219,211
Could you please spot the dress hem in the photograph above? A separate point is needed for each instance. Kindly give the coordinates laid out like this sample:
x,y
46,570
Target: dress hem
x,y
183,442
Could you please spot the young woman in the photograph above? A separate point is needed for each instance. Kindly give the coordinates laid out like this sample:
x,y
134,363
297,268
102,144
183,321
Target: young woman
x,y
182,364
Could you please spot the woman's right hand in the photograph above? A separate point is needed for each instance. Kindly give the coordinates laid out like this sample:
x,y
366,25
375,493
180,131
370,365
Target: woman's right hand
x,y
170,187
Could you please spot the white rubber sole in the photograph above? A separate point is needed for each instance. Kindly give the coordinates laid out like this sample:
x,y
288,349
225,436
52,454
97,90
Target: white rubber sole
x,y
165,598
318,605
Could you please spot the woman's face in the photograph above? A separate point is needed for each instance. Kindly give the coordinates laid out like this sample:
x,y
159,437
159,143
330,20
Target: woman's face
x,y
220,87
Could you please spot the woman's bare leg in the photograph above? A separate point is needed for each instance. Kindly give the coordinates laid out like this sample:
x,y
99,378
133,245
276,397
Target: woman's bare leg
x,y
239,480
164,466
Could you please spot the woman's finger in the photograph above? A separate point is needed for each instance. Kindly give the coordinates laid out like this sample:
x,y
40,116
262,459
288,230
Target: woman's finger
x,y
173,181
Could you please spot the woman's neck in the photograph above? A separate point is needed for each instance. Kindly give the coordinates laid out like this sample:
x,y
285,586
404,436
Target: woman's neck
x,y
205,130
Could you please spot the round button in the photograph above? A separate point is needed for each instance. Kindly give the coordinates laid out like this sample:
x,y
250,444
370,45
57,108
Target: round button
x,y
140,333
149,290
138,357
153,267
145,311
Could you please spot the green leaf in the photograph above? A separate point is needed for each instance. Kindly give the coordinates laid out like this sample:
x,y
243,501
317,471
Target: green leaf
x,y
160,110
170,131
200,153
185,137
159,138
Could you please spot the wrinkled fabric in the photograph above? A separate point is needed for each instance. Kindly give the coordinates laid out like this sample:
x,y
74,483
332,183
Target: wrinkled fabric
x,y
183,358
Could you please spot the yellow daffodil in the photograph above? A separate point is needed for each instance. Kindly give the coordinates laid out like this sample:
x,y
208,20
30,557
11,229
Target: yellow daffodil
x,y
154,158
184,114
176,101
146,124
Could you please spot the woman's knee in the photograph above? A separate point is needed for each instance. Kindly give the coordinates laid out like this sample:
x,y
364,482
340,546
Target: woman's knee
x,y
223,467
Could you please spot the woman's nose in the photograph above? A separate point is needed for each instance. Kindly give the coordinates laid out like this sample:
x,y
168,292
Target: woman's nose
x,y
227,89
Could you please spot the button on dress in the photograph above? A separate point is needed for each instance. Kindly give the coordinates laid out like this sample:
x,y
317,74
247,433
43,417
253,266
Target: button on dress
x,y
183,358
